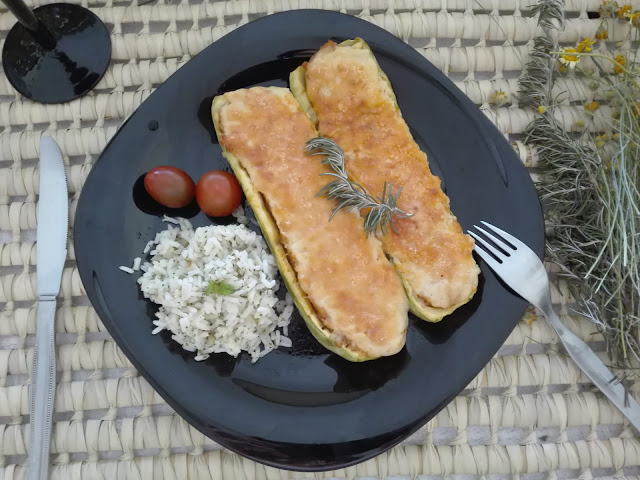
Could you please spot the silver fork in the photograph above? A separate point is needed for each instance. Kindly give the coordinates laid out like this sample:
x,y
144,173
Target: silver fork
x,y
522,270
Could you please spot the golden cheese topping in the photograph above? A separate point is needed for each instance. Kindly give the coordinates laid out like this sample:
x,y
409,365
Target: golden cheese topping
x,y
351,284
356,107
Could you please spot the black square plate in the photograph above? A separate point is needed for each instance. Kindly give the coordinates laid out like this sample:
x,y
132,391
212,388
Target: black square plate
x,y
303,408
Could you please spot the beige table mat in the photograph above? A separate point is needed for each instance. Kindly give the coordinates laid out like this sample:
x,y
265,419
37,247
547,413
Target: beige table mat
x,y
529,414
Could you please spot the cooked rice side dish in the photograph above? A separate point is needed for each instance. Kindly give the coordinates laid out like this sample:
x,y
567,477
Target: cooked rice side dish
x,y
216,287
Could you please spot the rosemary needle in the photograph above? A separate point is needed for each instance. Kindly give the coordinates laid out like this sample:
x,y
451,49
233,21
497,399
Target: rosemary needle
x,y
350,195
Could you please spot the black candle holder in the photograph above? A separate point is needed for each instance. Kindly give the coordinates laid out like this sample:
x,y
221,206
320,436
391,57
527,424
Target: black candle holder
x,y
56,52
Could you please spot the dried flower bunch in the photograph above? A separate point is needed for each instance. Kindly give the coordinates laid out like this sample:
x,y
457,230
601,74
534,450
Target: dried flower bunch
x,y
590,178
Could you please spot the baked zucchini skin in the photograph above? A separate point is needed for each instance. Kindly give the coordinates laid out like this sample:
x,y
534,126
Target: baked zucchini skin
x,y
272,235
298,85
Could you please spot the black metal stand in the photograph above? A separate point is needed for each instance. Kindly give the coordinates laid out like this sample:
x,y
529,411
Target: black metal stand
x,y
56,52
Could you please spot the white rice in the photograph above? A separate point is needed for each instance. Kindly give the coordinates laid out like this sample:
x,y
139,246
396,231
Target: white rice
x,y
242,218
148,247
126,269
136,264
182,265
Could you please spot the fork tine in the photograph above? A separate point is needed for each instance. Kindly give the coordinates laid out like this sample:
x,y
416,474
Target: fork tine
x,y
488,259
487,245
495,240
507,236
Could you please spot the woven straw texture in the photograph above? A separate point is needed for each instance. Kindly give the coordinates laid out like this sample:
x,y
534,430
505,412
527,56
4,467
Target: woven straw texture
x,y
529,414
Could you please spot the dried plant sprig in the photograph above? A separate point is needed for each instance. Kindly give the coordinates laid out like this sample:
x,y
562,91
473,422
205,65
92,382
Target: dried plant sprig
x,y
590,187
352,196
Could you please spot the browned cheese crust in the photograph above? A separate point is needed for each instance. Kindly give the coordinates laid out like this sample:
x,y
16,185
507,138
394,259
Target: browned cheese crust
x,y
356,107
346,276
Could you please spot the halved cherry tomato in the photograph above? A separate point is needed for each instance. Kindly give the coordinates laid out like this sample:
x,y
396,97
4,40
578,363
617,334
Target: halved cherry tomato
x,y
169,186
218,193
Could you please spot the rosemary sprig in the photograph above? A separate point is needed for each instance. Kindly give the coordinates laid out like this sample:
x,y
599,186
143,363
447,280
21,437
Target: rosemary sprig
x,y
350,195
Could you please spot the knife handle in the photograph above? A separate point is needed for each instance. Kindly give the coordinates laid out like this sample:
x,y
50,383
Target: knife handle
x,y
43,382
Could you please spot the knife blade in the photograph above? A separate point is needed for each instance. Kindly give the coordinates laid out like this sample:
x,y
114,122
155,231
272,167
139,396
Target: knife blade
x,y
52,233
53,219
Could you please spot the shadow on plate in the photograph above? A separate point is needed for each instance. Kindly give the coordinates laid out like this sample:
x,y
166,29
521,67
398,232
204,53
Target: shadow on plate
x,y
204,117
367,376
354,380
224,364
275,72
303,342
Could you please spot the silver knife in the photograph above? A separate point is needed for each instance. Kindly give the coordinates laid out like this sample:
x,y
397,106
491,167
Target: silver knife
x,y
53,227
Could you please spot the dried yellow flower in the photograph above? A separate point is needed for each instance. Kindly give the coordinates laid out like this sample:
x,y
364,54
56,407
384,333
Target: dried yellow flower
x,y
585,45
602,34
601,141
542,109
499,98
568,58
634,19
623,10
621,61
530,316
592,106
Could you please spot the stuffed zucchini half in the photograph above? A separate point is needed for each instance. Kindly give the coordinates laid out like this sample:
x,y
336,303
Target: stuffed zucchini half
x,y
341,281
343,90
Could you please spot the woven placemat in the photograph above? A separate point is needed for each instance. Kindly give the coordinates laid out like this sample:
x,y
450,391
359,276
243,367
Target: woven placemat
x,y
529,414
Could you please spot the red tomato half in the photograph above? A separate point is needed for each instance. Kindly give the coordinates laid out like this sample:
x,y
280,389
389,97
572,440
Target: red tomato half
x,y
169,186
218,193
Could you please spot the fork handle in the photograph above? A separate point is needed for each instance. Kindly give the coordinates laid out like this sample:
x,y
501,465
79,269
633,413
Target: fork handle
x,y
593,367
